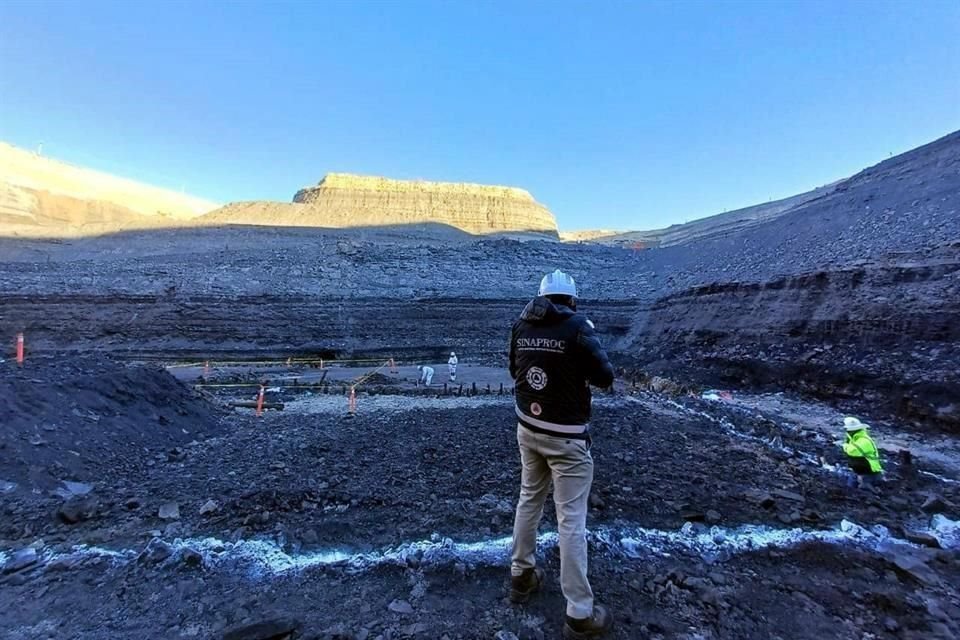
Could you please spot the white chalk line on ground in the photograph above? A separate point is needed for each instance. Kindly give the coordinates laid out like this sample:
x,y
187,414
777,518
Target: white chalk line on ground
x,y
265,558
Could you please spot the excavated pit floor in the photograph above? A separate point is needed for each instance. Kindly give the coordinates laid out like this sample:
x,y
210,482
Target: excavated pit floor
x,y
709,521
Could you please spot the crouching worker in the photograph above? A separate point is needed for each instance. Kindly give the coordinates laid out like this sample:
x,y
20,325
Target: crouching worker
x,y
426,375
554,358
862,453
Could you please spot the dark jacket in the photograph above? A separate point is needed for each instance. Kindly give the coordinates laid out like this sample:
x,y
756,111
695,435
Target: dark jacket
x,y
554,358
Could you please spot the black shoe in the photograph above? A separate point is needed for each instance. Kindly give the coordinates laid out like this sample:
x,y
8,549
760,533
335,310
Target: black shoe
x,y
596,625
525,585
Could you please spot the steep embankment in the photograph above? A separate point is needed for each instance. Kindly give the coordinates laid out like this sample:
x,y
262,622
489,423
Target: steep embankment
x,y
721,224
888,334
874,313
341,201
41,196
902,168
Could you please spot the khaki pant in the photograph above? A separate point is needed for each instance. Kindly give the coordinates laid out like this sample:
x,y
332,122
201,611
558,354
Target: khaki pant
x,y
569,464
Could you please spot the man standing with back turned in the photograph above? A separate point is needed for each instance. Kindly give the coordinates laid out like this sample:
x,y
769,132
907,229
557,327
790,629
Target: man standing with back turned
x,y
554,358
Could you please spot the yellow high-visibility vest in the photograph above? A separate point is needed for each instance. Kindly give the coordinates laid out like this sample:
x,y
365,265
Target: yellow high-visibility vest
x,y
859,444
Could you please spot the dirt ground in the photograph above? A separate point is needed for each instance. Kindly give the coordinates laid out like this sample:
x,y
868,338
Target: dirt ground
x,y
401,377
707,520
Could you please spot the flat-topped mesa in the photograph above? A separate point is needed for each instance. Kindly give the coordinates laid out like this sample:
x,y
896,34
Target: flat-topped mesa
x,y
344,200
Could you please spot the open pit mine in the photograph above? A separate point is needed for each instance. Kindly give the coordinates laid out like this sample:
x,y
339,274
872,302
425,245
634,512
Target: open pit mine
x,y
218,430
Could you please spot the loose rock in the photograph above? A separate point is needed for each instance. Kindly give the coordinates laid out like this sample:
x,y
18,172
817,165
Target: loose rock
x,y
21,560
400,606
210,506
77,510
169,511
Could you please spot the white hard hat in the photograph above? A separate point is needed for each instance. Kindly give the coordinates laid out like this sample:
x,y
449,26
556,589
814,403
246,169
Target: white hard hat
x,y
419,367
558,283
452,353
852,424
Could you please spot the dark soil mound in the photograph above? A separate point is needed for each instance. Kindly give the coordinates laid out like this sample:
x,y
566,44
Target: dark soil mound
x,y
84,419
380,379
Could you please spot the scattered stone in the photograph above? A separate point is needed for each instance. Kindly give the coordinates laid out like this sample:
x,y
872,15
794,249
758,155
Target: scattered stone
x,y
77,509
157,551
717,578
412,630
596,502
71,489
63,564
272,629
21,560
788,495
911,563
762,498
934,504
210,506
713,516
400,606
790,518
921,538
505,635
811,515
191,557
169,511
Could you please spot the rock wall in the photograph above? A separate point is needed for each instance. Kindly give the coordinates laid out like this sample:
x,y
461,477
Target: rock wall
x,y
342,200
202,327
885,334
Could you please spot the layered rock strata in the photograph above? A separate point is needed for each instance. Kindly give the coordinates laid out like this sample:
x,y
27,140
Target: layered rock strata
x,y
883,334
343,200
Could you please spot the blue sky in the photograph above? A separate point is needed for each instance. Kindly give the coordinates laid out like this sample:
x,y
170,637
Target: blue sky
x,y
613,114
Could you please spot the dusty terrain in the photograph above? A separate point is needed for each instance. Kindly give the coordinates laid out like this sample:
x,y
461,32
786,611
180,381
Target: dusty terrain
x,y
393,523
138,502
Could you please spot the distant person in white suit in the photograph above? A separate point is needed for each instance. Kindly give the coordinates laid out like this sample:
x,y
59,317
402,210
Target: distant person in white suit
x,y
452,366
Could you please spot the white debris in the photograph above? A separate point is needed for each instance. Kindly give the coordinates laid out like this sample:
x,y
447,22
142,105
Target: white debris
x,y
263,558
946,531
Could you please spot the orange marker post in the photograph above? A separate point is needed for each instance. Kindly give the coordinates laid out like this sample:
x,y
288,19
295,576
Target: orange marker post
x,y
206,369
321,363
260,401
352,403
289,362
393,366
20,348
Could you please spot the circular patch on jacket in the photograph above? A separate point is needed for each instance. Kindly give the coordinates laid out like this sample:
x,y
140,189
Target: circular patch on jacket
x,y
535,408
537,378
